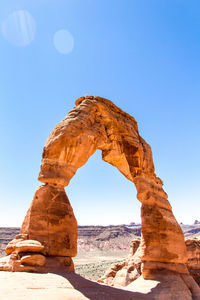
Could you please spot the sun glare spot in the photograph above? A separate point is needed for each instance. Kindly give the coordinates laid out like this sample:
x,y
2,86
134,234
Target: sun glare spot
x,y
19,28
63,41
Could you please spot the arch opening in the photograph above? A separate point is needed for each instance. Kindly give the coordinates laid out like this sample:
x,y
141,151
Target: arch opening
x,y
101,195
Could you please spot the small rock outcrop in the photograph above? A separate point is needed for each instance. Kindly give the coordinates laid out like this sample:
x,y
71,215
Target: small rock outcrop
x,y
123,273
193,263
96,123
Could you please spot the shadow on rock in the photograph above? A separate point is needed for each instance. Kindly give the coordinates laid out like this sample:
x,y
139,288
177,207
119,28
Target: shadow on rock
x,y
95,291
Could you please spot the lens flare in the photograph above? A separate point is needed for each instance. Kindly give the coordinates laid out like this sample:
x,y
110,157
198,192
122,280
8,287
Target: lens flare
x,y
19,28
63,41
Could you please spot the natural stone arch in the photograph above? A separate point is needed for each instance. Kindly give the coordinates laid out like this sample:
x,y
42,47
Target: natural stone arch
x,y
96,123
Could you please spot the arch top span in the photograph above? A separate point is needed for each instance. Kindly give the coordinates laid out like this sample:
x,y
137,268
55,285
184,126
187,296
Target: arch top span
x,y
96,123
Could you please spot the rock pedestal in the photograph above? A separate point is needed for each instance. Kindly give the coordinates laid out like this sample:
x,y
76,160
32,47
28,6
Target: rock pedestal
x,y
162,244
51,221
48,236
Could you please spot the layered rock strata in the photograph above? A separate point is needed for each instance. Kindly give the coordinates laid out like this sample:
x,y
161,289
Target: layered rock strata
x,y
193,263
96,123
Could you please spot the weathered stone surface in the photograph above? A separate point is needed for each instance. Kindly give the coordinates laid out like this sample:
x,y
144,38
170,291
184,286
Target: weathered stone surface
x,y
33,260
193,263
49,228
51,221
169,286
122,274
11,246
96,123
29,246
70,286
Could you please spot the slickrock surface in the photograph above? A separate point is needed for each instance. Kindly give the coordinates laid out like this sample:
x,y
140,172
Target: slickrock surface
x,y
167,286
18,286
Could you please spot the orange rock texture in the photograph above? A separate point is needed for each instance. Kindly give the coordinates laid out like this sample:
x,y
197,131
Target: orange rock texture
x,y
193,263
51,221
96,123
123,273
48,237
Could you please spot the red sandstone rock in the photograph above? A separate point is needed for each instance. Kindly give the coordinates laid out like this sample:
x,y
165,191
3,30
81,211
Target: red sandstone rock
x,y
96,123
51,221
193,263
49,228
122,274
29,246
11,246
33,260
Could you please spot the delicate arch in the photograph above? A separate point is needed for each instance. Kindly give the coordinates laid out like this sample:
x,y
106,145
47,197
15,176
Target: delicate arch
x,y
96,123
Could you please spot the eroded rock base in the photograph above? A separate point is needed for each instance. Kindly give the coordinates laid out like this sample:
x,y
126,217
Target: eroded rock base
x,y
48,236
34,262
123,273
167,285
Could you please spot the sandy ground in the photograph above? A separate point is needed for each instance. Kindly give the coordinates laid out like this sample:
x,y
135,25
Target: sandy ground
x,y
92,265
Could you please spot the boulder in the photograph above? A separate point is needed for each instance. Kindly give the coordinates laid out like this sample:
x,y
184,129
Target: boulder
x,y
29,246
33,260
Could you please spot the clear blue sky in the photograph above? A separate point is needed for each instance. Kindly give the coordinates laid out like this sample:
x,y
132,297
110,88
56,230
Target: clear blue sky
x,y
142,55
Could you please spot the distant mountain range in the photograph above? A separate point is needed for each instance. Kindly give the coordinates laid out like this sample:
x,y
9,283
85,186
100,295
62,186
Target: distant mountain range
x,y
112,237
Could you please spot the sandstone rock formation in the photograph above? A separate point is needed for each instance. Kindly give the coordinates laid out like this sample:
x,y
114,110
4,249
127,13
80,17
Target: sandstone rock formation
x,y
123,273
96,123
48,237
193,263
